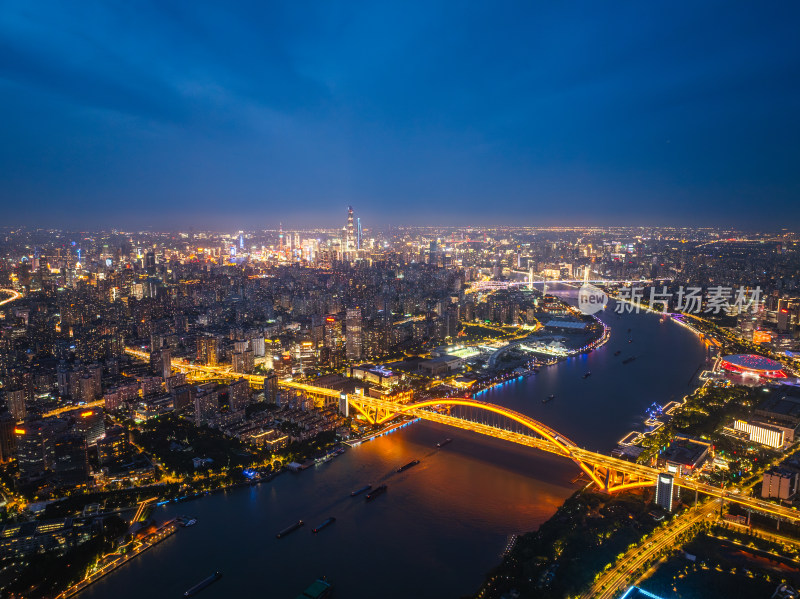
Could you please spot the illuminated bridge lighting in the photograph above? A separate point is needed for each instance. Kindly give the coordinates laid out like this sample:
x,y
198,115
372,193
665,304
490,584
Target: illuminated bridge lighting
x,y
610,474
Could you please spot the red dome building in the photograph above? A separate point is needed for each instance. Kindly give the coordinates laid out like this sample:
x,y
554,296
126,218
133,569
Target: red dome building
x,y
751,364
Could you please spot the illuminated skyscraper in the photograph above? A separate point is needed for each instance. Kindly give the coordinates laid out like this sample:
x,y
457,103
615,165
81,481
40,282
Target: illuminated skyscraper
x,y
271,390
161,362
664,491
350,239
8,440
354,336
91,424
208,351
114,447
15,401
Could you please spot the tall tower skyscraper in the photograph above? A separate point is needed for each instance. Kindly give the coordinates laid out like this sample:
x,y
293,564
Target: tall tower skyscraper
x,y
350,237
358,234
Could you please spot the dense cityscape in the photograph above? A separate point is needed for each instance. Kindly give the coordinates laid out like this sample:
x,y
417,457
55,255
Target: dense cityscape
x,y
143,369
399,300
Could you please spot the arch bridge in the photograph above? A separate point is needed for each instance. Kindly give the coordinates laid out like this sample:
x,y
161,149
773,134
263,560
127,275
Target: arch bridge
x,y
608,473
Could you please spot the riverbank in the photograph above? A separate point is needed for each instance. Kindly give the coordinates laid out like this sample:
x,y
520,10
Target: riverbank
x,y
590,529
384,431
541,361
562,557
116,560
533,567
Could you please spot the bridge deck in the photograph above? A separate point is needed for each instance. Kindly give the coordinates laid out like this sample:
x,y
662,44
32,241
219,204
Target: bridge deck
x,y
561,446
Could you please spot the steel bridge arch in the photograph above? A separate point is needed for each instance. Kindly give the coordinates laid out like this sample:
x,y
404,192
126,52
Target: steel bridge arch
x,y
536,426
564,444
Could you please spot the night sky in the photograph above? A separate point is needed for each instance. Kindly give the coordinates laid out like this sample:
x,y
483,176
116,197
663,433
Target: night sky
x,y
238,115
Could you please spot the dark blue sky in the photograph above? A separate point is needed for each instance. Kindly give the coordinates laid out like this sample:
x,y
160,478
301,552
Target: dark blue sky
x,y
233,114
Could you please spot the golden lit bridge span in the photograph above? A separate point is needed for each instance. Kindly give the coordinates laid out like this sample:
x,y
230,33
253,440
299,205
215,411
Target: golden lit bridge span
x,y
500,423
608,473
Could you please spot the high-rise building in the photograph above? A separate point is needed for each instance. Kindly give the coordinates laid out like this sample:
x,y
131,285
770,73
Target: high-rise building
x,y
114,447
259,348
282,364
271,389
182,397
160,362
88,389
332,332
433,252
451,320
35,447
243,361
664,487
8,440
206,405
62,377
354,337
350,237
783,317
208,350
70,460
150,263
15,401
238,394
179,378
91,424
166,363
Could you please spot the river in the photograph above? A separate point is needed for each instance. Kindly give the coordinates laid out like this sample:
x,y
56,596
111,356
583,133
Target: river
x,y
442,524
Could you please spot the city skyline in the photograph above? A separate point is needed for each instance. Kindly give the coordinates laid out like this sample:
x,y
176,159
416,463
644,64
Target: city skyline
x,y
646,375
465,300
564,116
